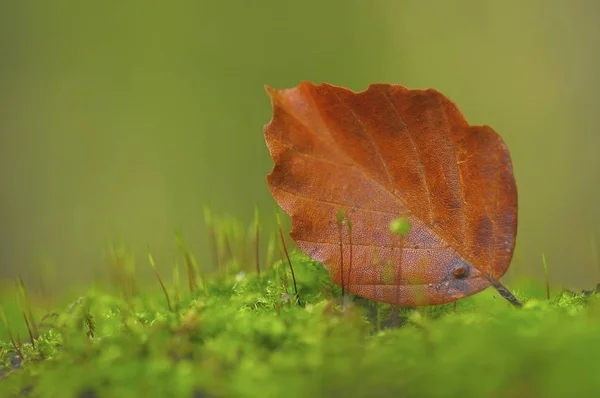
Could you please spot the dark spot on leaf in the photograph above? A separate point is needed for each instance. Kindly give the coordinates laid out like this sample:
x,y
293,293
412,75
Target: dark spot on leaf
x,y
460,272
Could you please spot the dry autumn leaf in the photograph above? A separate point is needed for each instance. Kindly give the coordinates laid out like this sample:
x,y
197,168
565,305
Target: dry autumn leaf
x,y
393,191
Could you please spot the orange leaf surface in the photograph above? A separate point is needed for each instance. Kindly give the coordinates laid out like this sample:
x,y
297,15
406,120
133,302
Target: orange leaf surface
x,y
372,157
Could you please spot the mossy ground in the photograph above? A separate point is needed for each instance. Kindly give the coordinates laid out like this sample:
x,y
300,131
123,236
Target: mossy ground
x,y
238,334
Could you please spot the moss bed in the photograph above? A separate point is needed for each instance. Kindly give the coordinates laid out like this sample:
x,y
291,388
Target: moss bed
x,y
239,334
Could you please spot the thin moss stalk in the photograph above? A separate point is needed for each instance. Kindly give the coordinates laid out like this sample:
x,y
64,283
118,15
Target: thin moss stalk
x,y
212,238
547,279
27,311
15,344
177,287
340,220
256,239
270,248
189,262
160,280
287,256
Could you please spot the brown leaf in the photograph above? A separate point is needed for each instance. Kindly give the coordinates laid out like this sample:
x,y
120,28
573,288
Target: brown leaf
x,y
387,153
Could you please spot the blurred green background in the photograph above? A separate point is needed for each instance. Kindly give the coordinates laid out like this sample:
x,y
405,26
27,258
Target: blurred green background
x,y
120,119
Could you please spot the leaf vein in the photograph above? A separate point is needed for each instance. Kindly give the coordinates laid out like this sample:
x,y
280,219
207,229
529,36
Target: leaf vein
x,y
419,159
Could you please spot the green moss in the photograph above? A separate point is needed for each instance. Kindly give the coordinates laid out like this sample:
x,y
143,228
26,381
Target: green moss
x,y
243,335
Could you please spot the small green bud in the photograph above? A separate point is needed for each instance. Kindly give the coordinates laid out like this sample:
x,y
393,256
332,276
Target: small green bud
x,y
340,216
400,226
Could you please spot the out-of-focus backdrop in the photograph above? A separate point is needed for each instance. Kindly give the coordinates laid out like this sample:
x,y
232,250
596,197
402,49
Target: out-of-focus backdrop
x,y
120,119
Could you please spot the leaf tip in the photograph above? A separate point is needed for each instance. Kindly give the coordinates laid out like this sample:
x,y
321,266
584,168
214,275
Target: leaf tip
x,y
269,89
